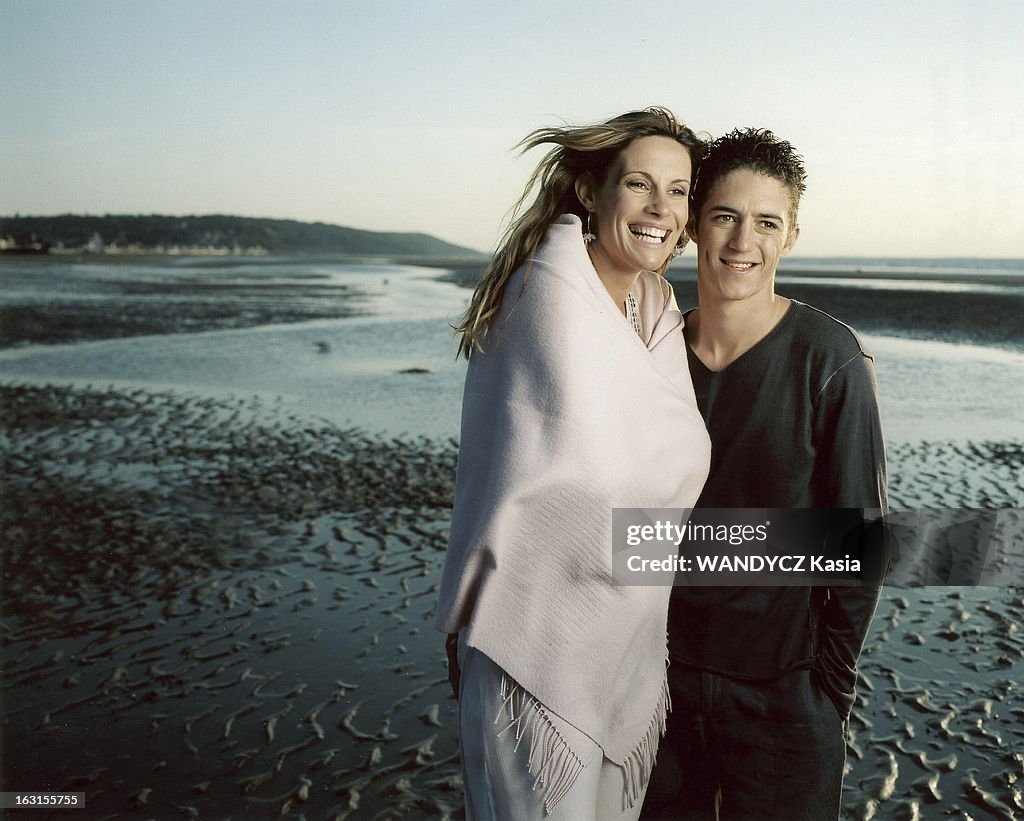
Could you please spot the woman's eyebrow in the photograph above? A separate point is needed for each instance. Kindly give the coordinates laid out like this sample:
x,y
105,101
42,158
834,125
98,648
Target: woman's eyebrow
x,y
646,174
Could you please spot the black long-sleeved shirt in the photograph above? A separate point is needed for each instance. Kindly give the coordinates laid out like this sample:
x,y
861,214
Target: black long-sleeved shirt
x,y
794,423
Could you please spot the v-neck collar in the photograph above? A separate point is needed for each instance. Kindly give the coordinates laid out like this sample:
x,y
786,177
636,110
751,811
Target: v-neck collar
x,y
692,355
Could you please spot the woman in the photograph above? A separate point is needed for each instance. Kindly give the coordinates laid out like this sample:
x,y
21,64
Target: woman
x,y
577,400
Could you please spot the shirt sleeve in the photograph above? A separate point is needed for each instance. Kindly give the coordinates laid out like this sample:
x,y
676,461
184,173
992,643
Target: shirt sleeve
x,y
850,473
849,450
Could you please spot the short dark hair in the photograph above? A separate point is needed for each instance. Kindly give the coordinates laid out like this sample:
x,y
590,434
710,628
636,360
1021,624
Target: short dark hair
x,y
754,148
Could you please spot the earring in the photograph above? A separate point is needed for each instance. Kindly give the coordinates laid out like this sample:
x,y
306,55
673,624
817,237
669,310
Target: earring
x,y
680,245
589,237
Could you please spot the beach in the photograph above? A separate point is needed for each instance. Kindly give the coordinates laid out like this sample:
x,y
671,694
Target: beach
x,y
227,489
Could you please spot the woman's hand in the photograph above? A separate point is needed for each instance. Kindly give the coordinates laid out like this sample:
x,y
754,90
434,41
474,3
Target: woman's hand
x,y
451,647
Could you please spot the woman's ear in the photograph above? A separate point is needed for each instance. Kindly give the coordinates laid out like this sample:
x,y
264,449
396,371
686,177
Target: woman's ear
x,y
586,190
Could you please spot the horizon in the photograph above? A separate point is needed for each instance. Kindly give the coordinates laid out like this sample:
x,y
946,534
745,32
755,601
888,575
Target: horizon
x,y
683,260
346,115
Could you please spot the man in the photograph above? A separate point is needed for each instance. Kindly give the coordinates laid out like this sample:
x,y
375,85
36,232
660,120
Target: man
x,y
762,678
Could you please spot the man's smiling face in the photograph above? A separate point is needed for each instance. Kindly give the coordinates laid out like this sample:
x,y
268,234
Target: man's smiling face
x,y
743,230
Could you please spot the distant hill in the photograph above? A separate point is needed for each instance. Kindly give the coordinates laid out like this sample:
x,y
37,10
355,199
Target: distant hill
x,y
215,233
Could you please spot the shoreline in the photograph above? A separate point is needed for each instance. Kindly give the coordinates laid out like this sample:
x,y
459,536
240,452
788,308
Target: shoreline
x,y
982,317
960,318
467,272
65,308
227,260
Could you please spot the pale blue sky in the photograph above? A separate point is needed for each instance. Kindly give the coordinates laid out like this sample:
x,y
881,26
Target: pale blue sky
x,y
402,115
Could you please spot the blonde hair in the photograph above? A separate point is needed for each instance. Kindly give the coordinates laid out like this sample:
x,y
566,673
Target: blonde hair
x,y
578,150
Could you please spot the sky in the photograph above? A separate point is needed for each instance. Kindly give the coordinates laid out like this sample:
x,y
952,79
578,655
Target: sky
x,y
403,116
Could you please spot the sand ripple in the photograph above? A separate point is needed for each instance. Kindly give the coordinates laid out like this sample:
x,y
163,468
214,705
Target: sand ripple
x,y
213,609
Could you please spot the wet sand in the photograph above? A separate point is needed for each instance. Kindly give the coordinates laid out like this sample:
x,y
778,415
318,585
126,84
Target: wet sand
x,y
47,303
212,609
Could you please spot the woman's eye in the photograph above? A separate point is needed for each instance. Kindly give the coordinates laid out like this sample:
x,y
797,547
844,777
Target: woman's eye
x,y
679,192
639,185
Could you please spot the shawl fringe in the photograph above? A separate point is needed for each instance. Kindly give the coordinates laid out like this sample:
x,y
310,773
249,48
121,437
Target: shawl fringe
x,y
637,768
553,763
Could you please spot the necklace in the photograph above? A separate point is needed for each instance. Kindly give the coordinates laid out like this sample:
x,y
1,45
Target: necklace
x,y
633,311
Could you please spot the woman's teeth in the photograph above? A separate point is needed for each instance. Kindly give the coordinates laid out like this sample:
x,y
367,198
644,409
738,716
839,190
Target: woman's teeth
x,y
655,236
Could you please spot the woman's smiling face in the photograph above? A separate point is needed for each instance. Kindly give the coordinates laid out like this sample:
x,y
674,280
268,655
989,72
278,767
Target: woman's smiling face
x,y
640,210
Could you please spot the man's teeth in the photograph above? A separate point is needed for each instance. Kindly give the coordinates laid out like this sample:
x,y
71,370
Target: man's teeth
x,y
652,235
739,266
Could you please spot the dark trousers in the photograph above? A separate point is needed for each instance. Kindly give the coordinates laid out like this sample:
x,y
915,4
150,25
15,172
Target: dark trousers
x,y
748,751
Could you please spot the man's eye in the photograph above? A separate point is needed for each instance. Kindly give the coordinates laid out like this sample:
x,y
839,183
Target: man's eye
x,y
769,226
722,218
640,185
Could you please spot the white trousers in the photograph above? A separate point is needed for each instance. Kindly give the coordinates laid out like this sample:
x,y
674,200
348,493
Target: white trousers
x,y
496,767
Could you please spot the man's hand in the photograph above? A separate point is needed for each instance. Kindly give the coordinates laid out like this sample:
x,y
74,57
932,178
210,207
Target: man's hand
x,y
451,647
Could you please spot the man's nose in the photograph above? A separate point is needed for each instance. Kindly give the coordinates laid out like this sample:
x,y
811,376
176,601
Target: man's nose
x,y
742,238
